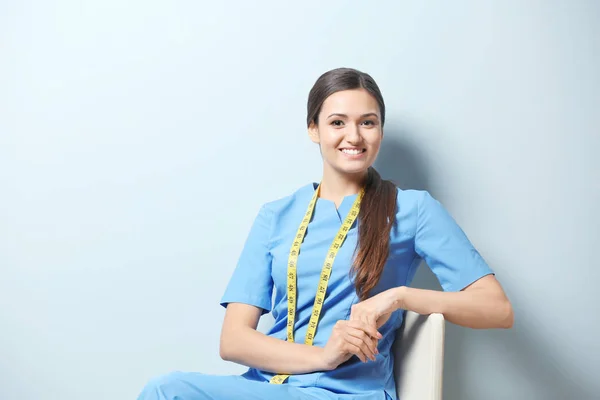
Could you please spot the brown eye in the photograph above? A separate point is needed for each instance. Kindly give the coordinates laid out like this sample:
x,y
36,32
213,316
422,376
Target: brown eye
x,y
337,122
369,122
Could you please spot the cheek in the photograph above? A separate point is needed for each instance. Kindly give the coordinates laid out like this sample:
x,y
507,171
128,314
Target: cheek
x,y
330,138
374,140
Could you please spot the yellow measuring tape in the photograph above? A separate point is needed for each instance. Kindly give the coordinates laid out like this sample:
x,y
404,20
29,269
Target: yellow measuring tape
x,y
325,273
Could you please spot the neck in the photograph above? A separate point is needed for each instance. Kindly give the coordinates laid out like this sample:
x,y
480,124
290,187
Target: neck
x,y
335,186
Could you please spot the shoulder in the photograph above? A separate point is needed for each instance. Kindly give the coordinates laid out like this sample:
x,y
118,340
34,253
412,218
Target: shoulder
x,y
412,199
289,201
413,207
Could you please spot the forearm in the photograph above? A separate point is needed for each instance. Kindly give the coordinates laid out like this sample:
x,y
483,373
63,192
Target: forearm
x,y
255,349
469,308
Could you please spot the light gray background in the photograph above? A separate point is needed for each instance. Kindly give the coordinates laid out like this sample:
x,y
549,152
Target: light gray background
x,y
138,140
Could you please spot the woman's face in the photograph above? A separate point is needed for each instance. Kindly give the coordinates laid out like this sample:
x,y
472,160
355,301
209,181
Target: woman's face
x,y
349,131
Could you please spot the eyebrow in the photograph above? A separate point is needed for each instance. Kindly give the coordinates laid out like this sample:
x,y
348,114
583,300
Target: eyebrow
x,y
362,116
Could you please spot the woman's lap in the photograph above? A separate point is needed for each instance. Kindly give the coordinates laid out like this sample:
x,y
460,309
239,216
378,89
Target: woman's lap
x,y
199,386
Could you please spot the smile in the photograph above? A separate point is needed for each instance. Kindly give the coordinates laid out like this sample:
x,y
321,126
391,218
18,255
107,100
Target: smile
x,y
353,151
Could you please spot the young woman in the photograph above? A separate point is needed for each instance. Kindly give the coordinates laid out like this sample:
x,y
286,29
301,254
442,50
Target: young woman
x,y
333,262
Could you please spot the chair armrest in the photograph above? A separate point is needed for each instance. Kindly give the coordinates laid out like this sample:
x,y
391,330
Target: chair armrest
x,y
419,357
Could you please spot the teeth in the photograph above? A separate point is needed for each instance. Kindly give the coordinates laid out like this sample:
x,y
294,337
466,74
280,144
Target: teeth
x,y
352,151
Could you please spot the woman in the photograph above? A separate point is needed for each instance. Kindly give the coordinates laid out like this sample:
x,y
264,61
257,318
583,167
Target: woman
x,y
338,257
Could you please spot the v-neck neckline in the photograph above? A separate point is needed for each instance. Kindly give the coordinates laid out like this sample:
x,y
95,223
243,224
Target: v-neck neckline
x,y
344,207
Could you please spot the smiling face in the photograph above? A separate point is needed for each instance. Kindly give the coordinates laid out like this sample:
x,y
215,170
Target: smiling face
x,y
349,131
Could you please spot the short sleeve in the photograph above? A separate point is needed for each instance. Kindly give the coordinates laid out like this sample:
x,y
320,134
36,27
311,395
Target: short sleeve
x,y
444,246
251,282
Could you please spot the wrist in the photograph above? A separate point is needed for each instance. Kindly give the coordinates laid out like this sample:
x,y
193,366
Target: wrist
x,y
399,297
318,356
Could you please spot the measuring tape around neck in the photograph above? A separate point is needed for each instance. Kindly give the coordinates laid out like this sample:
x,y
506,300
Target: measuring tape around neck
x,y
325,272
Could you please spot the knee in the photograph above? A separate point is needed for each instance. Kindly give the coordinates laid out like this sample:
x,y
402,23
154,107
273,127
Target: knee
x,y
162,386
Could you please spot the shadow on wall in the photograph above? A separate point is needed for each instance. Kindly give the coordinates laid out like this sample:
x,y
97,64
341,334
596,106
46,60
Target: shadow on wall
x,y
400,162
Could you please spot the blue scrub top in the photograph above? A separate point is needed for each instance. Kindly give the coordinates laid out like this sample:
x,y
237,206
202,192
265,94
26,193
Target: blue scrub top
x,y
424,230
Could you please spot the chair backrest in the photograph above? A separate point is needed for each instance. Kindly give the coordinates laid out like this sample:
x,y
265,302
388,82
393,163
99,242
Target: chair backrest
x,y
419,357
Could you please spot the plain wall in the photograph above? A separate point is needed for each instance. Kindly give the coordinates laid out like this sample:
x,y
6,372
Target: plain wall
x,y
138,140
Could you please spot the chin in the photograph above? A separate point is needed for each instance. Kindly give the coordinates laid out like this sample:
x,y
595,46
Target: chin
x,y
353,170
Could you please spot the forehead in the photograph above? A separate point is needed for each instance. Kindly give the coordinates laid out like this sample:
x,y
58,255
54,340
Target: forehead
x,y
350,102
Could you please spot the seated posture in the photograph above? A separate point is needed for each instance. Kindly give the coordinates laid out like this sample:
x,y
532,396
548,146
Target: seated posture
x,y
333,262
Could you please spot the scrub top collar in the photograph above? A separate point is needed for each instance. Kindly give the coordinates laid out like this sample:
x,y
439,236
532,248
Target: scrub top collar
x,y
329,205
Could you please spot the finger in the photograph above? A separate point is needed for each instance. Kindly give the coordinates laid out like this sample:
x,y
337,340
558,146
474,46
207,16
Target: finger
x,y
352,345
370,329
342,325
367,327
362,340
368,320
360,337
371,320
370,344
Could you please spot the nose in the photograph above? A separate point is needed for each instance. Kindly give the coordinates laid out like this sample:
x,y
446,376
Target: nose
x,y
353,134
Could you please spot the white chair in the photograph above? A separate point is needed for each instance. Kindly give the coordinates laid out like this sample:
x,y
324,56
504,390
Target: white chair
x,y
419,357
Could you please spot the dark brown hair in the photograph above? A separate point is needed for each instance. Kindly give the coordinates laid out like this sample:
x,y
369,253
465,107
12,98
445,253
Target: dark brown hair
x,y
378,208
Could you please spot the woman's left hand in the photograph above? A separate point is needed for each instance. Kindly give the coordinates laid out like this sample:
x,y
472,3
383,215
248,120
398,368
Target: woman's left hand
x,y
375,310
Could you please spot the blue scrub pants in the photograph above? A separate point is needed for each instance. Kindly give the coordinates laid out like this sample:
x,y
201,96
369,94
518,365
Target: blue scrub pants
x,y
198,386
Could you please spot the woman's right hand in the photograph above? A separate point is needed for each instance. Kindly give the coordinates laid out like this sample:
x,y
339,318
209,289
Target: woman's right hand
x,y
350,338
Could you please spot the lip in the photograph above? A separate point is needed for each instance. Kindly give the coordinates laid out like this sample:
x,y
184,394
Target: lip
x,y
353,156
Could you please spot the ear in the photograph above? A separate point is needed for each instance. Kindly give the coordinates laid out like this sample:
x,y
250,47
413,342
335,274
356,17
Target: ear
x,y
313,133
